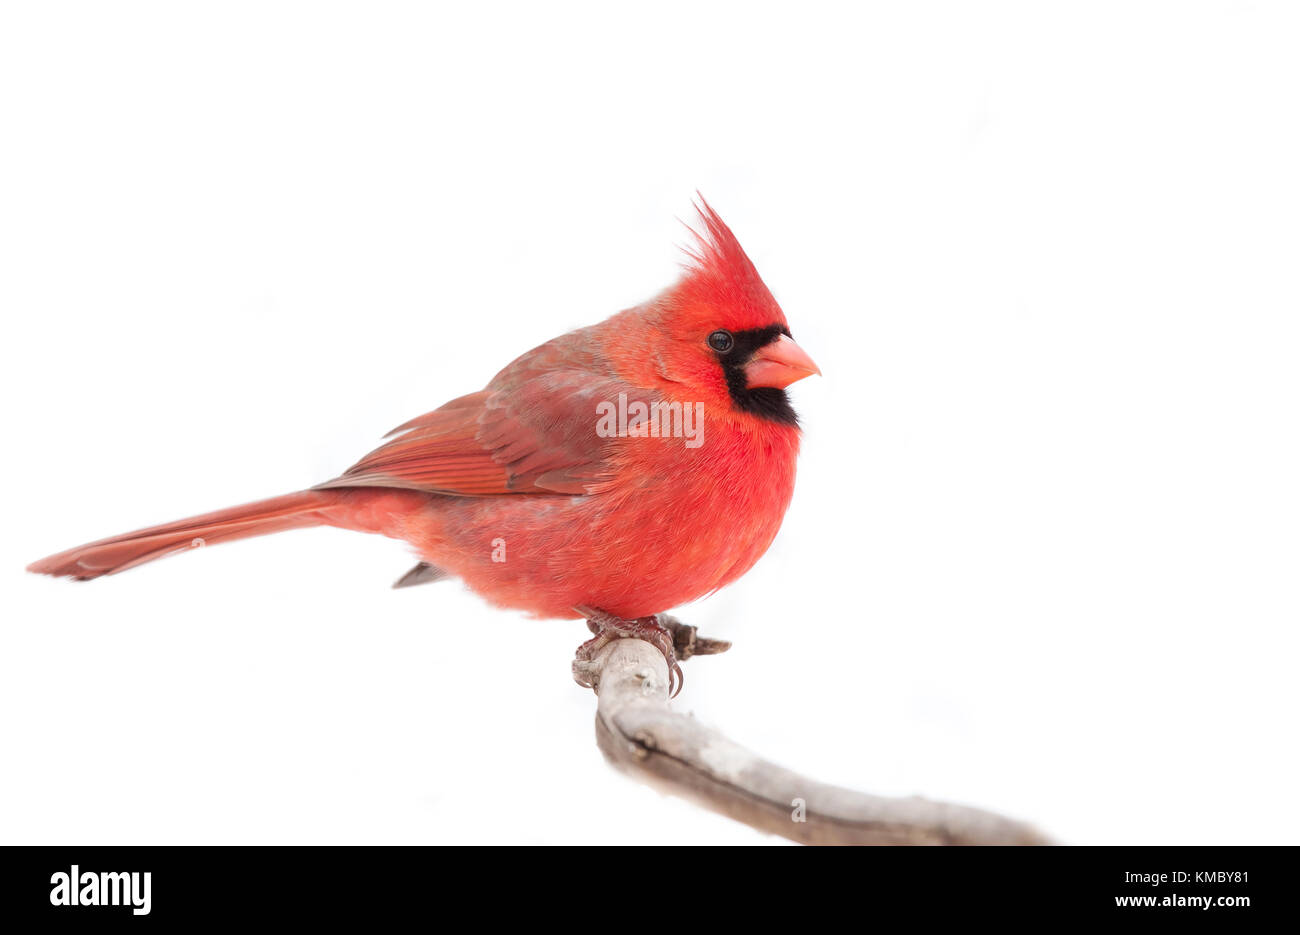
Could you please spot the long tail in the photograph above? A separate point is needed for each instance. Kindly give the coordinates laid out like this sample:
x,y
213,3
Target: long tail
x,y
109,556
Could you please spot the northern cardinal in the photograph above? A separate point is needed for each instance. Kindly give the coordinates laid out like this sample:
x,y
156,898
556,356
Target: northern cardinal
x,y
612,473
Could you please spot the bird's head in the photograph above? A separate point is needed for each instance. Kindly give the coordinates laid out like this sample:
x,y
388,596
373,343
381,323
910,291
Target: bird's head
x,y
721,335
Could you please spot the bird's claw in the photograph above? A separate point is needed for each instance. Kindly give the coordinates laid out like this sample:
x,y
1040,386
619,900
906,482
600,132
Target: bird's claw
x,y
676,640
686,640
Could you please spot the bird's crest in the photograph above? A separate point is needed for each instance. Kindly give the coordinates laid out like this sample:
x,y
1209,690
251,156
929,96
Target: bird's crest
x,y
720,275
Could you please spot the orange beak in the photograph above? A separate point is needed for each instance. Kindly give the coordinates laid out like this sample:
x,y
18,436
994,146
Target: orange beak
x,y
779,364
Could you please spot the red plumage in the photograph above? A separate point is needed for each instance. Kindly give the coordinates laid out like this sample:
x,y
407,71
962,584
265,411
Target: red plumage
x,y
515,489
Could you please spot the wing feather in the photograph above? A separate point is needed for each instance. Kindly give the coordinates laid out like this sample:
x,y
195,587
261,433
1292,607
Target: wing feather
x,y
535,435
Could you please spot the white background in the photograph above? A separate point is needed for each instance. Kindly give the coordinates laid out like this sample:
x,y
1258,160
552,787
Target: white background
x,y
1043,553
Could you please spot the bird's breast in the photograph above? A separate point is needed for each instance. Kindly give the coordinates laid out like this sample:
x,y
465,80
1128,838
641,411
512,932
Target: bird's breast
x,y
671,524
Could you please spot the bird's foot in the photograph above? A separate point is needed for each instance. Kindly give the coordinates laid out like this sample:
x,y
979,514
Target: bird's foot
x,y
676,640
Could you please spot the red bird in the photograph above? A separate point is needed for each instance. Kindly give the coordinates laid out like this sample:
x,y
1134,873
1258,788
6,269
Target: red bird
x,y
612,473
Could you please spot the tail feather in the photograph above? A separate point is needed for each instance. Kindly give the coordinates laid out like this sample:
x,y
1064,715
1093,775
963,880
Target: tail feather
x,y
118,553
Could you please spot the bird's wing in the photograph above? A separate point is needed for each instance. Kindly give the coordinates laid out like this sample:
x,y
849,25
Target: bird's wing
x,y
538,436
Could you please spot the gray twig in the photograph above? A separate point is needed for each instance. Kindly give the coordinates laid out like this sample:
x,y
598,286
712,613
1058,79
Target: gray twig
x,y
639,734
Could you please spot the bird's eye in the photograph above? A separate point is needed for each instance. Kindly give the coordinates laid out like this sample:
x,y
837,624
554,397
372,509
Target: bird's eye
x,y
721,341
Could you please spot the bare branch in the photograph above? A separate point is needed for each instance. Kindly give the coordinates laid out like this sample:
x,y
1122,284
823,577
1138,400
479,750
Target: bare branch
x,y
672,752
